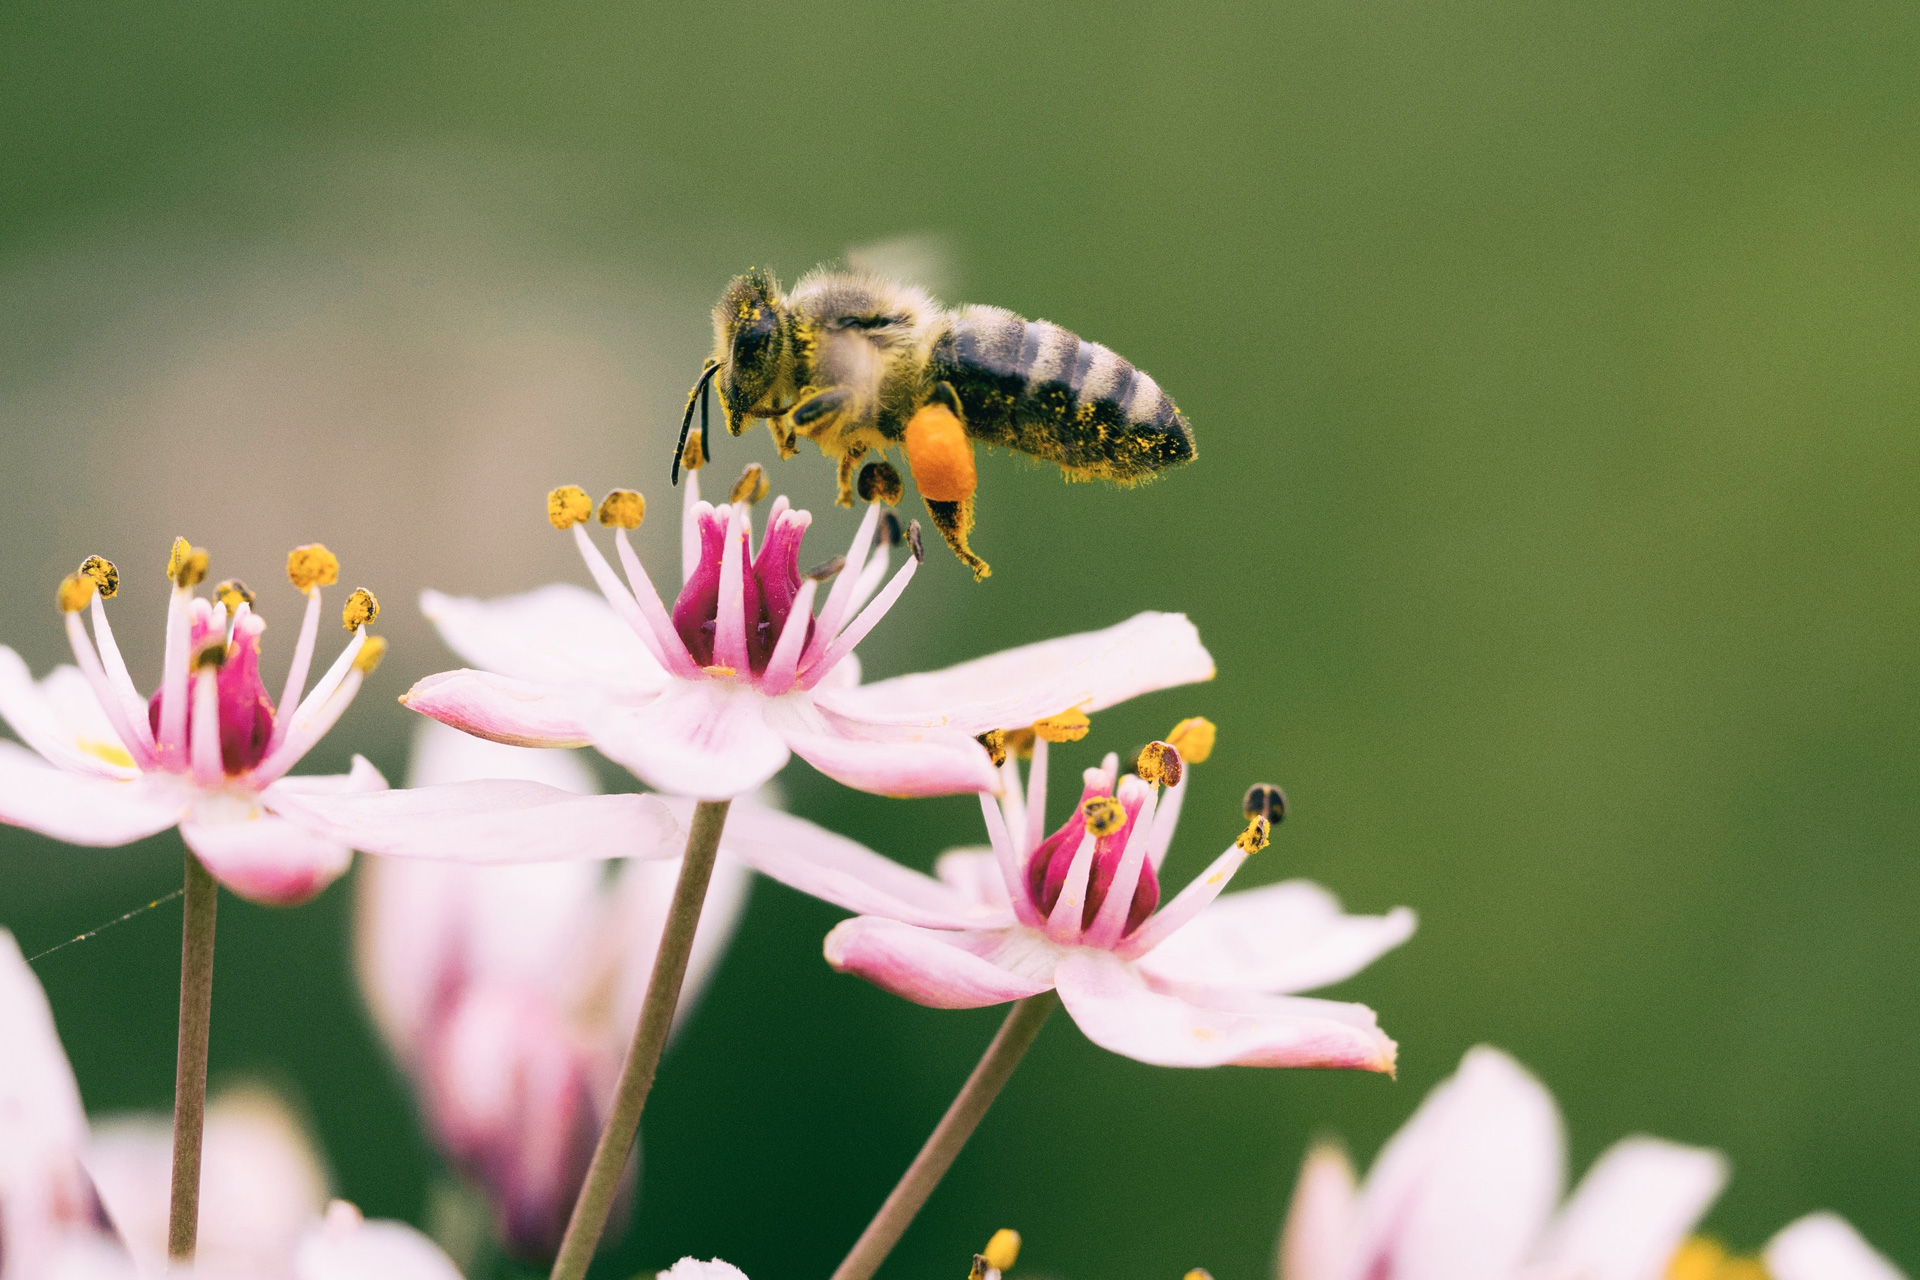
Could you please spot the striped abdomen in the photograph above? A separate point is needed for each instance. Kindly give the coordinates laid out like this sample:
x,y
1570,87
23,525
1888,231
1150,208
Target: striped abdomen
x,y
1034,387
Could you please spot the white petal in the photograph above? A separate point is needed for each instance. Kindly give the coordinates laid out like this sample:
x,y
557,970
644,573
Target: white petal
x,y
1825,1246
360,777
82,809
443,754
705,738
1281,937
29,708
942,968
346,1248
1016,687
560,634
694,1269
1319,1229
1635,1207
260,855
495,707
1463,1191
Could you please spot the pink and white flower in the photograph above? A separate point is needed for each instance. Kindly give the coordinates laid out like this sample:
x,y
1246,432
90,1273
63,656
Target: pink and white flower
x,y
711,697
262,1186
209,752
508,994
1470,1189
1202,981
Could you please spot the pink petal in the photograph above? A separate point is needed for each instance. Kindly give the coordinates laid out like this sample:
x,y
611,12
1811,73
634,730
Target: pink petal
x,y
890,761
1117,1010
942,969
976,874
360,777
816,861
1319,1230
492,821
443,754
705,738
263,857
501,709
42,1124
1632,1211
47,725
1463,1191
1281,938
1015,687
346,1248
84,810
559,634
1824,1246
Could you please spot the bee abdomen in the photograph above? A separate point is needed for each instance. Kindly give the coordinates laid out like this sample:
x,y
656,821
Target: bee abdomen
x,y
1035,387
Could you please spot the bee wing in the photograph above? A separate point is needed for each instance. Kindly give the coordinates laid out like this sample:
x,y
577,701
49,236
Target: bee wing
x,y
925,258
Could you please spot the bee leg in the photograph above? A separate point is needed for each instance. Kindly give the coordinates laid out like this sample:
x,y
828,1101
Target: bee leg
x,y
816,412
785,440
848,461
941,458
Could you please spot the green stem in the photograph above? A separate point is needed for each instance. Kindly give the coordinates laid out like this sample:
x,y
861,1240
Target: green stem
x,y
1009,1045
590,1211
190,1062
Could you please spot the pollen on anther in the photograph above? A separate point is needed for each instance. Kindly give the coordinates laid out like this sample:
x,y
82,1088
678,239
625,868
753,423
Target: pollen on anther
x,y
995,741
1255,837
361,609
233,593
75,591
210,656
370,654
1003,1250
569,505
1159,762
186,564
880,482
1068,726
102,573
694,456
1198,1273
913,541
1265,800
624,508
752,485
1193,739
830,569
312,566
1104,815
888,534
1020,742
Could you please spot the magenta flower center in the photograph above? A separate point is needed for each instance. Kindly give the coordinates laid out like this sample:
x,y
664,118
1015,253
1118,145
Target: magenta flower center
x,y
246,712
769,583
1048,867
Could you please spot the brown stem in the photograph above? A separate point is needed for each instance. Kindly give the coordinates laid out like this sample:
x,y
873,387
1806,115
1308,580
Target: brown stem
x,y
190,1061
590,1211
1009,1045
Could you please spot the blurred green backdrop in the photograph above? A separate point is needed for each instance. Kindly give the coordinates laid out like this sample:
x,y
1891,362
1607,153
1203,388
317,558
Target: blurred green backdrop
x,y
1554,527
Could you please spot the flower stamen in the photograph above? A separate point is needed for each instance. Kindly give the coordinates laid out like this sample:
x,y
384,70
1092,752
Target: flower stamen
x,y
233,593
312,566
568,505
751,487
1193,739
186,564
1159,763
102,573
74,593
623,508
1068,726
361,609
880,482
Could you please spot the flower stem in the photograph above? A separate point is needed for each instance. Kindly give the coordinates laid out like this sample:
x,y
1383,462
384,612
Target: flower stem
x,y
1009,1045
190,1062
590,1211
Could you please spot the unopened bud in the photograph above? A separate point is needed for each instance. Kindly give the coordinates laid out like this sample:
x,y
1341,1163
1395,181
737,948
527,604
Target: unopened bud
x,y
880,482
100,571
312,566
569,505
623,508
361,609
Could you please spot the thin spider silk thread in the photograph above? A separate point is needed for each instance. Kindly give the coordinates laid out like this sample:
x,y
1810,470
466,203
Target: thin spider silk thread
x,y
100,929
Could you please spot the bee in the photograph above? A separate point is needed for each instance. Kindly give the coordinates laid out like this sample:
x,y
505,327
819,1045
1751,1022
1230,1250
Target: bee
x,y
858,363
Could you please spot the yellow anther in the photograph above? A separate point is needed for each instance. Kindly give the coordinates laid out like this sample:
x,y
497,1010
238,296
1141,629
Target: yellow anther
x,y
210,656
1254,838
995,741
880,482
312,566
1701,1258
186,565
361,609
1019,741
1193,739
1068,726
1265,800
1198,1273
233,593
751,486
1159,763
75,591
1104,815
1003,1250
104,576
370,654
694,456
623,507
569,505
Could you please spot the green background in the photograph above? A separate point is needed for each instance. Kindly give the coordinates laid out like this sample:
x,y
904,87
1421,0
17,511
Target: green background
x,y
1553,369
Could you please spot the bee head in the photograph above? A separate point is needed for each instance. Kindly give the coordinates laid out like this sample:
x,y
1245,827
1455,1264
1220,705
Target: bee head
x,y
751,335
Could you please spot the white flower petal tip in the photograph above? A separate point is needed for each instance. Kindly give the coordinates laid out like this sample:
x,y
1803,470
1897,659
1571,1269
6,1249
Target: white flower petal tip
x,y
500,709
489,821
1320,1216
1285,937
1825,1246
1633,1210
344,1246
694,1269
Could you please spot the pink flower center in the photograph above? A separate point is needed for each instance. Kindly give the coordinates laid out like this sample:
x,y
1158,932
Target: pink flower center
x,y
1047,868
770,581
246,712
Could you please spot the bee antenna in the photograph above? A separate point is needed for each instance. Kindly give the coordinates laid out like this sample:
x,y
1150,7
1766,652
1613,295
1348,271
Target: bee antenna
x,y
701,390
706,432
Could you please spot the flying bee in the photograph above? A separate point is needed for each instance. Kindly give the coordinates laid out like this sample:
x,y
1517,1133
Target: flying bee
x,y
858,363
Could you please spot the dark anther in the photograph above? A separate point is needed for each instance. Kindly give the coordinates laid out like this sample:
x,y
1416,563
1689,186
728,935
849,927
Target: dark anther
x,y
889,531
233,593
995,741
879,482
211,656
1264,800
913,540
828,570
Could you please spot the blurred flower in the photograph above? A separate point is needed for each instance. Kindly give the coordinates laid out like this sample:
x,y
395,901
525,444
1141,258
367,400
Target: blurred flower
x,y
262,1189
1469,1189
1195,983
694,1269
508,994
710,699
209,751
